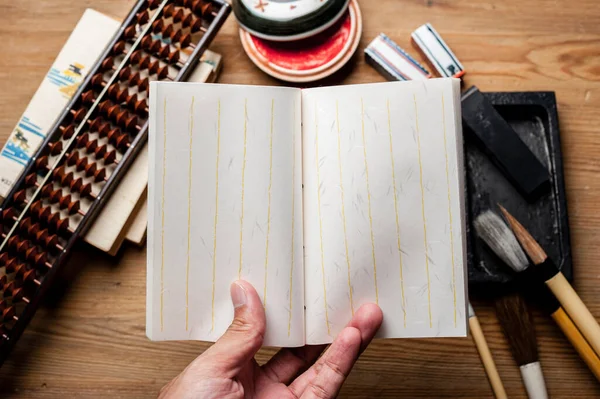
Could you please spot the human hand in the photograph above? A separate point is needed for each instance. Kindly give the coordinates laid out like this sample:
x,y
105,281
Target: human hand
x,y
228,369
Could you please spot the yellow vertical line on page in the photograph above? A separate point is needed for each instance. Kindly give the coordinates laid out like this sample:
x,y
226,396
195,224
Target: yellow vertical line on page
x,y
162,251
339,133
423,211
396,209
269,202
362,113
243,181
320,219
293,216
214,263
449,207
189,222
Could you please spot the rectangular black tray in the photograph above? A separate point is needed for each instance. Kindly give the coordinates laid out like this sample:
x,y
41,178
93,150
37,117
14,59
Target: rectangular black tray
x,y
533,115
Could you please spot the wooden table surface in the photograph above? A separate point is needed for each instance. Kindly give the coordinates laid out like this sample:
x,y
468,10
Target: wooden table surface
x,y
89,339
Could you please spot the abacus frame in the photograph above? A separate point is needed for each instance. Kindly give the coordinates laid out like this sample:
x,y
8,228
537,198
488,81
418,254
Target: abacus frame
x,y
6,345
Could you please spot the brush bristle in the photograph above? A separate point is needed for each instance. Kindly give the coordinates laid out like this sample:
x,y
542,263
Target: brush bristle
x,y
516,322
533,249
498,236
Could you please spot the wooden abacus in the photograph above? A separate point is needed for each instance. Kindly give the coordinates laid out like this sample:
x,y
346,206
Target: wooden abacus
x,y
89,148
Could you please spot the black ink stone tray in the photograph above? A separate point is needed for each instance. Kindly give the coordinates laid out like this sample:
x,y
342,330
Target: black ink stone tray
x,y
533,115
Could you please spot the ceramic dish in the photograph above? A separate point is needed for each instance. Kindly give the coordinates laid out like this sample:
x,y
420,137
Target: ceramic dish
x,y
287,20
309,59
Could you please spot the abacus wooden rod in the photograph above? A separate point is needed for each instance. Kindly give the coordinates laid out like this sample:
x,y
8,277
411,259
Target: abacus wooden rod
x,y
66,180
19,221
23,274
105,179
26,255
79,211
34,230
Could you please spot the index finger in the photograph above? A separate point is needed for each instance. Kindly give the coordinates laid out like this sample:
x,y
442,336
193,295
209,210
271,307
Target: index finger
x,y
335,365
289,362
366,320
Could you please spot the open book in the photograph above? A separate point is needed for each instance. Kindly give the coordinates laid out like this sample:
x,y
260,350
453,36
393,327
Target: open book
x,y
324,199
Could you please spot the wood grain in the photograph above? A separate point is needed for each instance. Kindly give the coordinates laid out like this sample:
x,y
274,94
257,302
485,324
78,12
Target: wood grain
x,y
89,341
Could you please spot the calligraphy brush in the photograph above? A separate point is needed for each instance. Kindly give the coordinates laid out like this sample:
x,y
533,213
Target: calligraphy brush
x,y
485,355
501,240
511,309
518,328
548,303
545,270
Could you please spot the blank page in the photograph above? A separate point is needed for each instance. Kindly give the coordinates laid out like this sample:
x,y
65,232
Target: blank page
x,y
225,203
383,208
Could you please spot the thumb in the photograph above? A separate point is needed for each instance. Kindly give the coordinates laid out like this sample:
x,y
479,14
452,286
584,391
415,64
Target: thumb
x,y
245,335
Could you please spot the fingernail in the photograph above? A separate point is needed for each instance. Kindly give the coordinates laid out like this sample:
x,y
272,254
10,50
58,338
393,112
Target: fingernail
x,y
238,295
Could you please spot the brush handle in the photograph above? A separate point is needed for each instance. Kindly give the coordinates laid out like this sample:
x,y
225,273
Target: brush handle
x,y
578,341
534,380
486,358
576,309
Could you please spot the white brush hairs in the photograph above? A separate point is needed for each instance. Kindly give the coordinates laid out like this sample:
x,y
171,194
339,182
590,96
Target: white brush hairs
x,y
498,236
